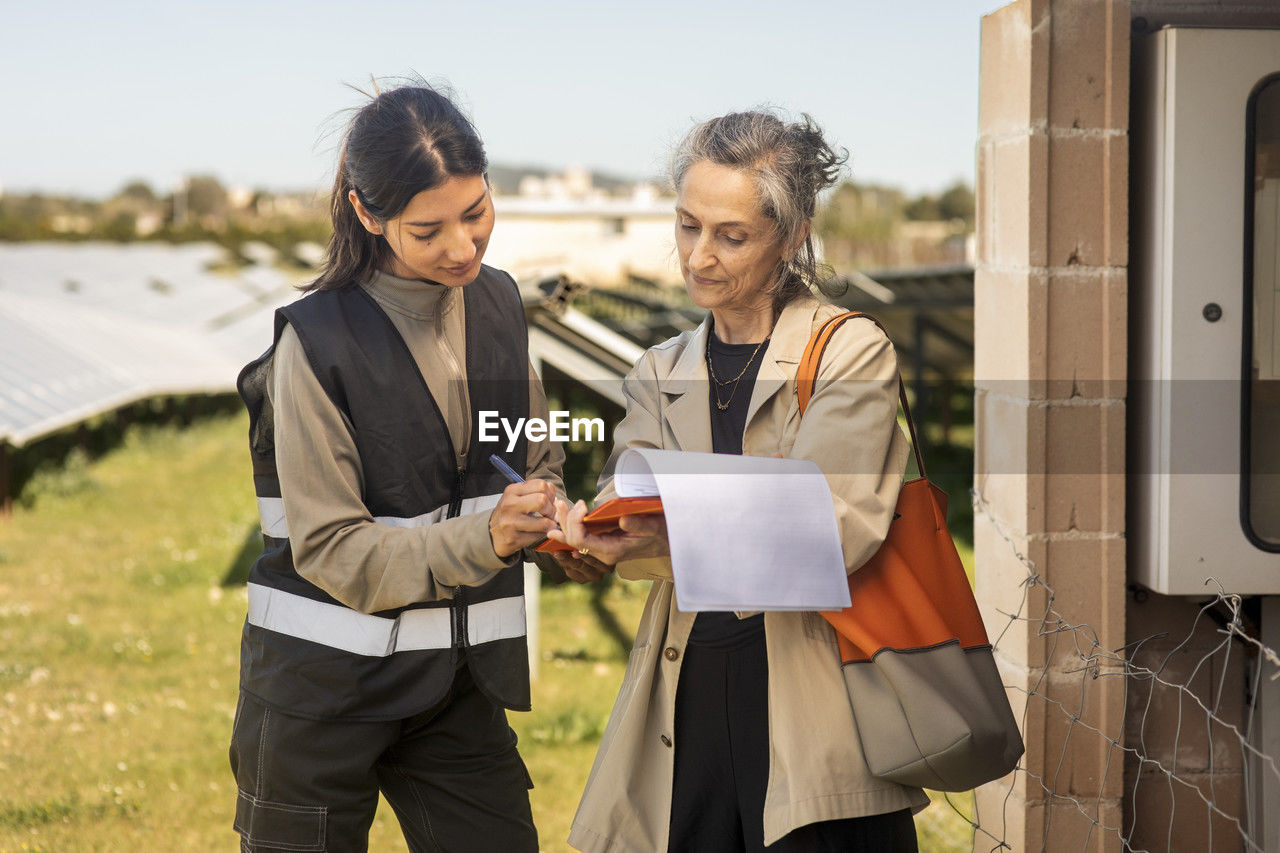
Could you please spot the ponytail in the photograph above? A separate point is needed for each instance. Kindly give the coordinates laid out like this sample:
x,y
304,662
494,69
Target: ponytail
x,y
354,254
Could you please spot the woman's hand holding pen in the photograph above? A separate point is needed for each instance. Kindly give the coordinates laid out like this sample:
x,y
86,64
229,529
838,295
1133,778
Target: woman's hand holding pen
x,y
523,517
640,536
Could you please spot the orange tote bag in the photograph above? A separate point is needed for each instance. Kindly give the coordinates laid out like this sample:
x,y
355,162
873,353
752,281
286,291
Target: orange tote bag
x,y
929,703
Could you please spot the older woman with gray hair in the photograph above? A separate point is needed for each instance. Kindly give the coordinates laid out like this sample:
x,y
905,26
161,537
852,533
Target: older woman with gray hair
x,y
733,732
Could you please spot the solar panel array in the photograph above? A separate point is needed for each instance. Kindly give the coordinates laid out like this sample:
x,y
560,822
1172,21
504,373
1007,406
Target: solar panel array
x,y
88,328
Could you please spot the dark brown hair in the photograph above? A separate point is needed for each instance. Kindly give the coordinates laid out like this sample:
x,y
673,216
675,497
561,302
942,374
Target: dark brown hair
x,y
404,141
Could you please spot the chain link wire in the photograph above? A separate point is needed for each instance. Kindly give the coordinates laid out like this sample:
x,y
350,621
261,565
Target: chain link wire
x,y
1079,641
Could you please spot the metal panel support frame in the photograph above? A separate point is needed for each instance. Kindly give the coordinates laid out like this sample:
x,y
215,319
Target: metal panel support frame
x,y
6,481
1262,787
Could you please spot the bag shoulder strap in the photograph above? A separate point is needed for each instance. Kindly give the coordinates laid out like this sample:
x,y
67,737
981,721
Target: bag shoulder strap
x,y
807,374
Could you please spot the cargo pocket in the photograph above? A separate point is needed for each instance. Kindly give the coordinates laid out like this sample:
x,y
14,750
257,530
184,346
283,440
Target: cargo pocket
x,y
280,826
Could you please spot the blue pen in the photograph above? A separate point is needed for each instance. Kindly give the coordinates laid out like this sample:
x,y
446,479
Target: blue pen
x,y
510,473
505,469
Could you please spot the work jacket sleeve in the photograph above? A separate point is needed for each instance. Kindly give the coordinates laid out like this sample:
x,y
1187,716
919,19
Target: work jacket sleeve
x,y
337,544
641,427
850,430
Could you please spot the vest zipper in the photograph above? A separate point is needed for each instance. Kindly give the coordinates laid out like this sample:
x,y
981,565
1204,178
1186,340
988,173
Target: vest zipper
x,y
455,505
460,617
459,605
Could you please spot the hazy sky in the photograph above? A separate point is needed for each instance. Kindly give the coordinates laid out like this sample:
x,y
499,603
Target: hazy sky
x,y
95,94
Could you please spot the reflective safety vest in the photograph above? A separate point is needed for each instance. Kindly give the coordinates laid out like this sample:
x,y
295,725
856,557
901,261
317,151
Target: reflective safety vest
x,y
302,651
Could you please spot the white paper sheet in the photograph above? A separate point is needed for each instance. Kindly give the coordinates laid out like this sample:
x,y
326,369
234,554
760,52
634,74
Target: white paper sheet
x,y
746,532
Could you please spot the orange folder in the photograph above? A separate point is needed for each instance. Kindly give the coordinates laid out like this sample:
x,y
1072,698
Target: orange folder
x,y
604,518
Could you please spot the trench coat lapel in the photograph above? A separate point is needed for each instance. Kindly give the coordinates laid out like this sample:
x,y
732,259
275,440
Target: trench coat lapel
x,y
781,358
688,410
687,385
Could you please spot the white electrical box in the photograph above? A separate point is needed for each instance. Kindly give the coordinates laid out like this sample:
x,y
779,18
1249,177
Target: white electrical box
x,y
1203,459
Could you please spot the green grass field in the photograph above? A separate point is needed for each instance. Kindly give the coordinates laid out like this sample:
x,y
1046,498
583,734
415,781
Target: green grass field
x,y
119,638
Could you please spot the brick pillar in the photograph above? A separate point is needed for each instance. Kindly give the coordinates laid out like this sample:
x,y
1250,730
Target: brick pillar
x,y
1050,323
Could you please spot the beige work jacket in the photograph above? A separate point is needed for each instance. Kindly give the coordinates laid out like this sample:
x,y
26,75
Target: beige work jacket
x,y
816,768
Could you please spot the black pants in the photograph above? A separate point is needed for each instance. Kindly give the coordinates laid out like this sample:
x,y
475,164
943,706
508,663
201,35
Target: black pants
x,y
452,775
722,766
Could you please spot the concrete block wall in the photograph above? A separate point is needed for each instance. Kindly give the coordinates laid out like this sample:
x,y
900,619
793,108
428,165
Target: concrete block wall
x,y
1051,318
1050,363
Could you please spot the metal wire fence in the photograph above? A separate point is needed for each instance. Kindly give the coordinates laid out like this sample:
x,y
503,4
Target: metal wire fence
x,y
1179,744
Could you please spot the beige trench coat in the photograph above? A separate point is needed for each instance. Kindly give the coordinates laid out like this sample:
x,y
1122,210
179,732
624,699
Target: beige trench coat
x,y
816,768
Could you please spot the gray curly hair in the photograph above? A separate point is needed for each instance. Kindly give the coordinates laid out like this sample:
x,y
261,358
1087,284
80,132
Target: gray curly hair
x,y
791,163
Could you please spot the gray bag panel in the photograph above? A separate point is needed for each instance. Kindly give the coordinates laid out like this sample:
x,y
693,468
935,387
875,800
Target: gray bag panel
x,y
935,718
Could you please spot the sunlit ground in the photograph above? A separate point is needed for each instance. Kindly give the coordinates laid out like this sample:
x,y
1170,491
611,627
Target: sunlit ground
x,y
120,617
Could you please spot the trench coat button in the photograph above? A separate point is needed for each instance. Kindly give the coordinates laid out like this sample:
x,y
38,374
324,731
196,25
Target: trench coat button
x,y
671,653
666,741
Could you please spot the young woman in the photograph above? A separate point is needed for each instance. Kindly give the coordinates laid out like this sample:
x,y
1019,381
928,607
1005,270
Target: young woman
x,y
385,634
735,733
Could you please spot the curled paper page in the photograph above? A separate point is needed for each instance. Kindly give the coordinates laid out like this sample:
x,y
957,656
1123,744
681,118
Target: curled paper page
x,y
747,532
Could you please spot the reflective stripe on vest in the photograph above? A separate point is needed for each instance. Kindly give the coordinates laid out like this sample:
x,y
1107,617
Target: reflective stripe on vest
x,y
271,513
376,636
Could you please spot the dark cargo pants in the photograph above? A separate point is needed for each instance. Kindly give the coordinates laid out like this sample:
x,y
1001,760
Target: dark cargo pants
x,y
451,773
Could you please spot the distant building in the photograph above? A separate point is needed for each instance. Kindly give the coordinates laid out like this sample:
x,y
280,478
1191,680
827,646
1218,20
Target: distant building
x,y
563,223
71,223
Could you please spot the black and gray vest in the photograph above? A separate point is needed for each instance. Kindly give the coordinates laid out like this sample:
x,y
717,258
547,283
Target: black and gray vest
x,y
302,651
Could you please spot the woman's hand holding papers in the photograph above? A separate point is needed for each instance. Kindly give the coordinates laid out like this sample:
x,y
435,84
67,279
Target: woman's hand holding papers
x,y
595,554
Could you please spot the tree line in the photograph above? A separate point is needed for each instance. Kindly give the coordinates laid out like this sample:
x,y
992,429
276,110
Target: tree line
x,y
861,225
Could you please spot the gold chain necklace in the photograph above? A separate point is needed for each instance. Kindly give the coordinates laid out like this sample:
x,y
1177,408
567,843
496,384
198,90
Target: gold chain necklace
x,y
724,405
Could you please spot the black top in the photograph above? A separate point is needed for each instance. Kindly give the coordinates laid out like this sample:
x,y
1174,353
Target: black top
x,y
714,630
